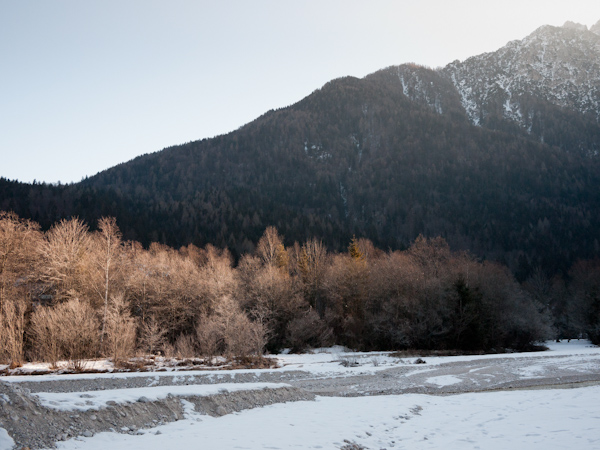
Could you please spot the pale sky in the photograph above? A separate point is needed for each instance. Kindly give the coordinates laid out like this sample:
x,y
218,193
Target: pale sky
x,y
86,85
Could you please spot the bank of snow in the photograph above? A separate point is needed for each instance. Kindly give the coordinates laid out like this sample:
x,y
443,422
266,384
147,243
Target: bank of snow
x,y
544,419
6,442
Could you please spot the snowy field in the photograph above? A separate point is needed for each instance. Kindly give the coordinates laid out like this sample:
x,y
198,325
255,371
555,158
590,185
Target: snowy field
x,y
566,418
539,419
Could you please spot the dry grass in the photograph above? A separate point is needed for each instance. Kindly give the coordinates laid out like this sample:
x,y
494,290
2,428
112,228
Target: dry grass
x,y
252,362
132,365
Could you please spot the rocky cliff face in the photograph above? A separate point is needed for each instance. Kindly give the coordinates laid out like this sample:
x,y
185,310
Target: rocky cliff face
x,y
555,65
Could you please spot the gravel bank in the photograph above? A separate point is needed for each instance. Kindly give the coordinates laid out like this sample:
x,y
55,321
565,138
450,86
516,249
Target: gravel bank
x,y
34,426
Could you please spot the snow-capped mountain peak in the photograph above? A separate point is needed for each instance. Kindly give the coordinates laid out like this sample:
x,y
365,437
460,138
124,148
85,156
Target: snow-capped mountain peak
x,y
558,65
575,26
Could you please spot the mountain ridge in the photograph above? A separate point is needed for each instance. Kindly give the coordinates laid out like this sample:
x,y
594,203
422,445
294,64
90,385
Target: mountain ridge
x,y
532,65
497,164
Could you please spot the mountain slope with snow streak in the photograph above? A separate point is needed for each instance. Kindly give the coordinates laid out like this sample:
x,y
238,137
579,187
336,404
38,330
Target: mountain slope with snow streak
x,y
559,65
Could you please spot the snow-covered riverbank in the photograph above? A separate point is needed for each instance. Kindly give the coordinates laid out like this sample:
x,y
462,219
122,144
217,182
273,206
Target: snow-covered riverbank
x,y
247,409
539,419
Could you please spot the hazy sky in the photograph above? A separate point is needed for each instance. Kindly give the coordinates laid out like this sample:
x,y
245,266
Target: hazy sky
x,y
85,85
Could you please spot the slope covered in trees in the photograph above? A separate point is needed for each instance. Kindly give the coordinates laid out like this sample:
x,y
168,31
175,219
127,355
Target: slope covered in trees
x,y
389,157
358,158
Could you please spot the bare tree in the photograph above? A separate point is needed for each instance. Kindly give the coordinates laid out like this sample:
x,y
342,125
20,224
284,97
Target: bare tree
x,y
217,277
271,251
12,331
152,336
346,290
538,285
19,240
119,328
430,254
584,302
65,255
167,286
312,265
230,332
137,280
108,245
68,331
270,296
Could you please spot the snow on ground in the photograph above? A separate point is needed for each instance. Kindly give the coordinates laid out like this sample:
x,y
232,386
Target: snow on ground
x,y
328,363
534,371
539,419
445,380
84,401
6,442
524,419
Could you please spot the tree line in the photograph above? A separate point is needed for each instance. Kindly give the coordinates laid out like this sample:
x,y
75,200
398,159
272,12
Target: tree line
x,y
72,294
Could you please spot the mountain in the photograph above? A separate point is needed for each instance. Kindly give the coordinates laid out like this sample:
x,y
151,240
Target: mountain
x,y
531,86
554,65
498,154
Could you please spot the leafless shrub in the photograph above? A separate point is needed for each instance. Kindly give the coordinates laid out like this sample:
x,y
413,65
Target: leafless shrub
x,y
210,336
67,331
348,361
230,332
168,350
152,336
259,336
308,331
120,330
271,297
170,286
44,334
12,330
376,361
185,346
64,258
218,278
